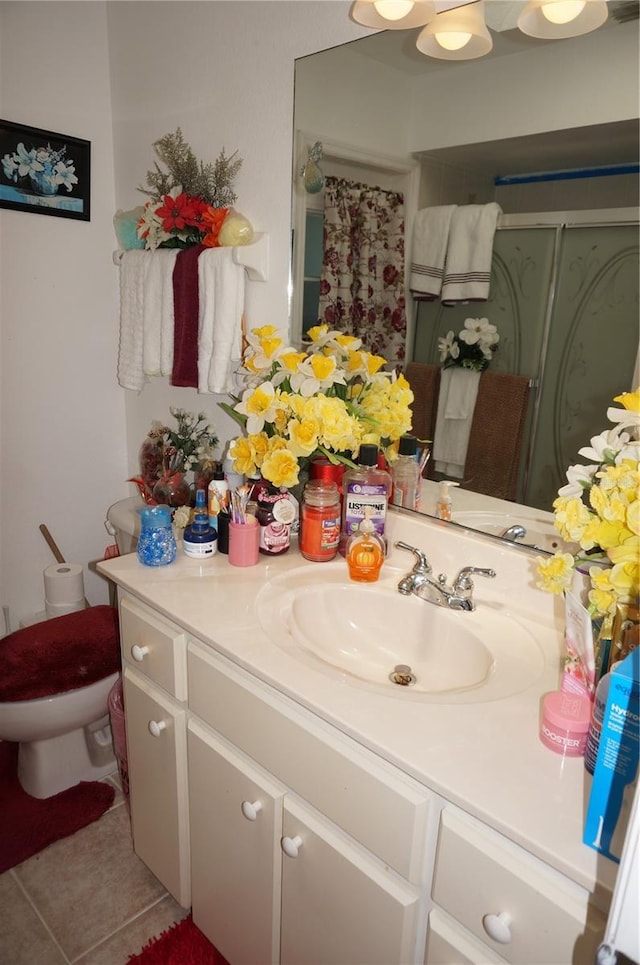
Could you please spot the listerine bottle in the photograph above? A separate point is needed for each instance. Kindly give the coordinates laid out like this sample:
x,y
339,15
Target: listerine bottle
x,y
364,488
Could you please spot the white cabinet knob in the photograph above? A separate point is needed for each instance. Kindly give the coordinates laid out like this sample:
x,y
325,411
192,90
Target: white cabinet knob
x,y
290,846
497,927
156,727
250,810
139,653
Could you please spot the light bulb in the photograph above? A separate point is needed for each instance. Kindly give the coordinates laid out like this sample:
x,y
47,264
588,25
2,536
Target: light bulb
x,y
563,11
452,40
393,9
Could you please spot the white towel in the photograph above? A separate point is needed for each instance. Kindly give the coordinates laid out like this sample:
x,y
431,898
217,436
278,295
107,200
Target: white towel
x,y
456,405
157,348
221,305
430,240
133,269
467,271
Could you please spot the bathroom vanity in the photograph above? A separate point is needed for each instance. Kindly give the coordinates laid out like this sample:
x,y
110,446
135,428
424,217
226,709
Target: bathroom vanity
x,y
309,813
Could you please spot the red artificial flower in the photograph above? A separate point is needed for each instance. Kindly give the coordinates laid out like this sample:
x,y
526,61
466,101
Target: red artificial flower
x,y
212,221
199,207
175,212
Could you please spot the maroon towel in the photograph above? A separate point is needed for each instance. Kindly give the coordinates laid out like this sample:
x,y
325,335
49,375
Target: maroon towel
x,y
185,309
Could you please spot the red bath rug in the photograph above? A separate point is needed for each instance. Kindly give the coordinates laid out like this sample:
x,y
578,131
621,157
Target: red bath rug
x,y
28,824
182,944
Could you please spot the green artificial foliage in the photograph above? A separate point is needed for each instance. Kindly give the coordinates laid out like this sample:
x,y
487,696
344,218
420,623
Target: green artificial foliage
x,y
211,182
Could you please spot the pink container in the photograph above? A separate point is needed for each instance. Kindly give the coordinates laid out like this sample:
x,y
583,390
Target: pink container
x,y
565,723
244,542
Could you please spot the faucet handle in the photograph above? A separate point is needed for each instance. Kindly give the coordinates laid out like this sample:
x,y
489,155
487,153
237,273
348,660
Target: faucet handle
x,y
422,564
463,581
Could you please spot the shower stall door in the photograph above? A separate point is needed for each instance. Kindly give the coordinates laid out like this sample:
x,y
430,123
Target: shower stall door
x,y
565,301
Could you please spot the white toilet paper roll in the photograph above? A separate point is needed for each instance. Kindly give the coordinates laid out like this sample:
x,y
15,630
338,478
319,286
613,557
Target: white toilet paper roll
x,y
59,609
63,584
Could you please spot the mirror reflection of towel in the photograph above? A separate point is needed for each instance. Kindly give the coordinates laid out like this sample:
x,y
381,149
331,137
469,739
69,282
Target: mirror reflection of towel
x,y
467,272
456,405
430,240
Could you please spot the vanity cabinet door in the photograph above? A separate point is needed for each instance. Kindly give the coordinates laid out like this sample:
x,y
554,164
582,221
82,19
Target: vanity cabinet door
x,y
157,757
236,818
340,905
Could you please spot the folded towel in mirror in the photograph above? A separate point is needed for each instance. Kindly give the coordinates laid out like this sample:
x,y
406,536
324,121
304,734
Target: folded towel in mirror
x,y
430,240
456,405
467,272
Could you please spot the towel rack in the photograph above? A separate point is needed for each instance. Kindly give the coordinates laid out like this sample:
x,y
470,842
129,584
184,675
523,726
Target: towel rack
x,y
254,258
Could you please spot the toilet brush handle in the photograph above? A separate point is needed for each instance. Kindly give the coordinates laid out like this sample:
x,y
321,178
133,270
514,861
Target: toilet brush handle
x,y
53,546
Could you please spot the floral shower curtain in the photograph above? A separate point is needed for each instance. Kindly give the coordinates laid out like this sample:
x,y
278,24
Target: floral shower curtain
x,y
362,283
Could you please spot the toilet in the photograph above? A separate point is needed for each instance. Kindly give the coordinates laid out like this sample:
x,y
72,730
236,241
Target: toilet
x,y
55,678
123,522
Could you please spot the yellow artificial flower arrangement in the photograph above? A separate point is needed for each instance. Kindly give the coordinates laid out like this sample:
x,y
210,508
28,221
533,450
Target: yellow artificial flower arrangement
x,y
325,401
599,510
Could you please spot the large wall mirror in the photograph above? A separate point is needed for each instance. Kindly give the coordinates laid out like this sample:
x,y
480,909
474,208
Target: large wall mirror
x,y
547,129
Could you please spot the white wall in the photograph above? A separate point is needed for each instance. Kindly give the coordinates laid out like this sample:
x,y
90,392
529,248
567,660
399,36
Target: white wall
x,y
62,429
354,100
591,79
123,74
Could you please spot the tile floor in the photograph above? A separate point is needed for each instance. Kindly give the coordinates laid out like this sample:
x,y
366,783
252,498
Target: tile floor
x,y
86,900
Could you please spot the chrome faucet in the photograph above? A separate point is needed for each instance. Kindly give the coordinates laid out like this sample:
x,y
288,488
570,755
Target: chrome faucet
x,y
421,583
514,532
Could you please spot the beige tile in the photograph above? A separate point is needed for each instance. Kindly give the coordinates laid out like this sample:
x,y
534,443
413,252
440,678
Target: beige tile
x,y
131,938
88,884
23,938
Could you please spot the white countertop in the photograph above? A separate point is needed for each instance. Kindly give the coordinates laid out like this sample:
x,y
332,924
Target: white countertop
x,y
485,757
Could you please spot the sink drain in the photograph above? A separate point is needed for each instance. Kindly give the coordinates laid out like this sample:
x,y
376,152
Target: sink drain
x,y
402,675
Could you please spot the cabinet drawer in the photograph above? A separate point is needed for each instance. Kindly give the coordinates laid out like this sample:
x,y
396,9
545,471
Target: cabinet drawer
x,y
480,873
448,944
356,791
154,646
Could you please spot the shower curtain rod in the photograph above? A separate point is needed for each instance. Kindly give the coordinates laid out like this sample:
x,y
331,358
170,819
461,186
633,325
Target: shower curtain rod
x,y
614,223
569,174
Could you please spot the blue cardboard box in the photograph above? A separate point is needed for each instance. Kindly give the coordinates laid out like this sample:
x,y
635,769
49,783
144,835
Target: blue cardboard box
x,y
616,767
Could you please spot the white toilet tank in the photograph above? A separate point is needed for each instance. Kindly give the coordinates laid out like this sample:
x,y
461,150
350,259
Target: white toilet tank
x,y
123,522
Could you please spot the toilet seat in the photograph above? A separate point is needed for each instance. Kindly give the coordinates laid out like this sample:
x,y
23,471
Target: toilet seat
x,y
66,653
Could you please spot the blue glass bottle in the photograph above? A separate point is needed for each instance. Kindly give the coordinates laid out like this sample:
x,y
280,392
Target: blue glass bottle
x,y
156,543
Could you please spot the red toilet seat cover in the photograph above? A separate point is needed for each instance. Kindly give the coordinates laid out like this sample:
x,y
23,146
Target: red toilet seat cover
x,y
61,654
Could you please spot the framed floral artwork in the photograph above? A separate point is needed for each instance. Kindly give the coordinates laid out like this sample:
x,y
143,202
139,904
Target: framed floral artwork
x,y
44,172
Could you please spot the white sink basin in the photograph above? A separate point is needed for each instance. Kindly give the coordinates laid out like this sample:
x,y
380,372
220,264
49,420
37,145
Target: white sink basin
x,y
369,635
540,532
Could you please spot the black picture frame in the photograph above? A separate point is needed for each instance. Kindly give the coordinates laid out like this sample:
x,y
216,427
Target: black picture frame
x,y
49,174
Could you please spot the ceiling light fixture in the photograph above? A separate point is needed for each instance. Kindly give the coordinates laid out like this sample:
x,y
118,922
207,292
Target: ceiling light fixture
x,y
396,9
564,11
458,34
393,14
559,19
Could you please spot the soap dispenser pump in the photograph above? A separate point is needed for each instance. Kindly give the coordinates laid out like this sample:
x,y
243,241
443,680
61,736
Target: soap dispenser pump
x,y
443,506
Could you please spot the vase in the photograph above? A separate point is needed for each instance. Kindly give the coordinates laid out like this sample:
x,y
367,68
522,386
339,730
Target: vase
x,y
201,479
172,489
150,459
43,183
